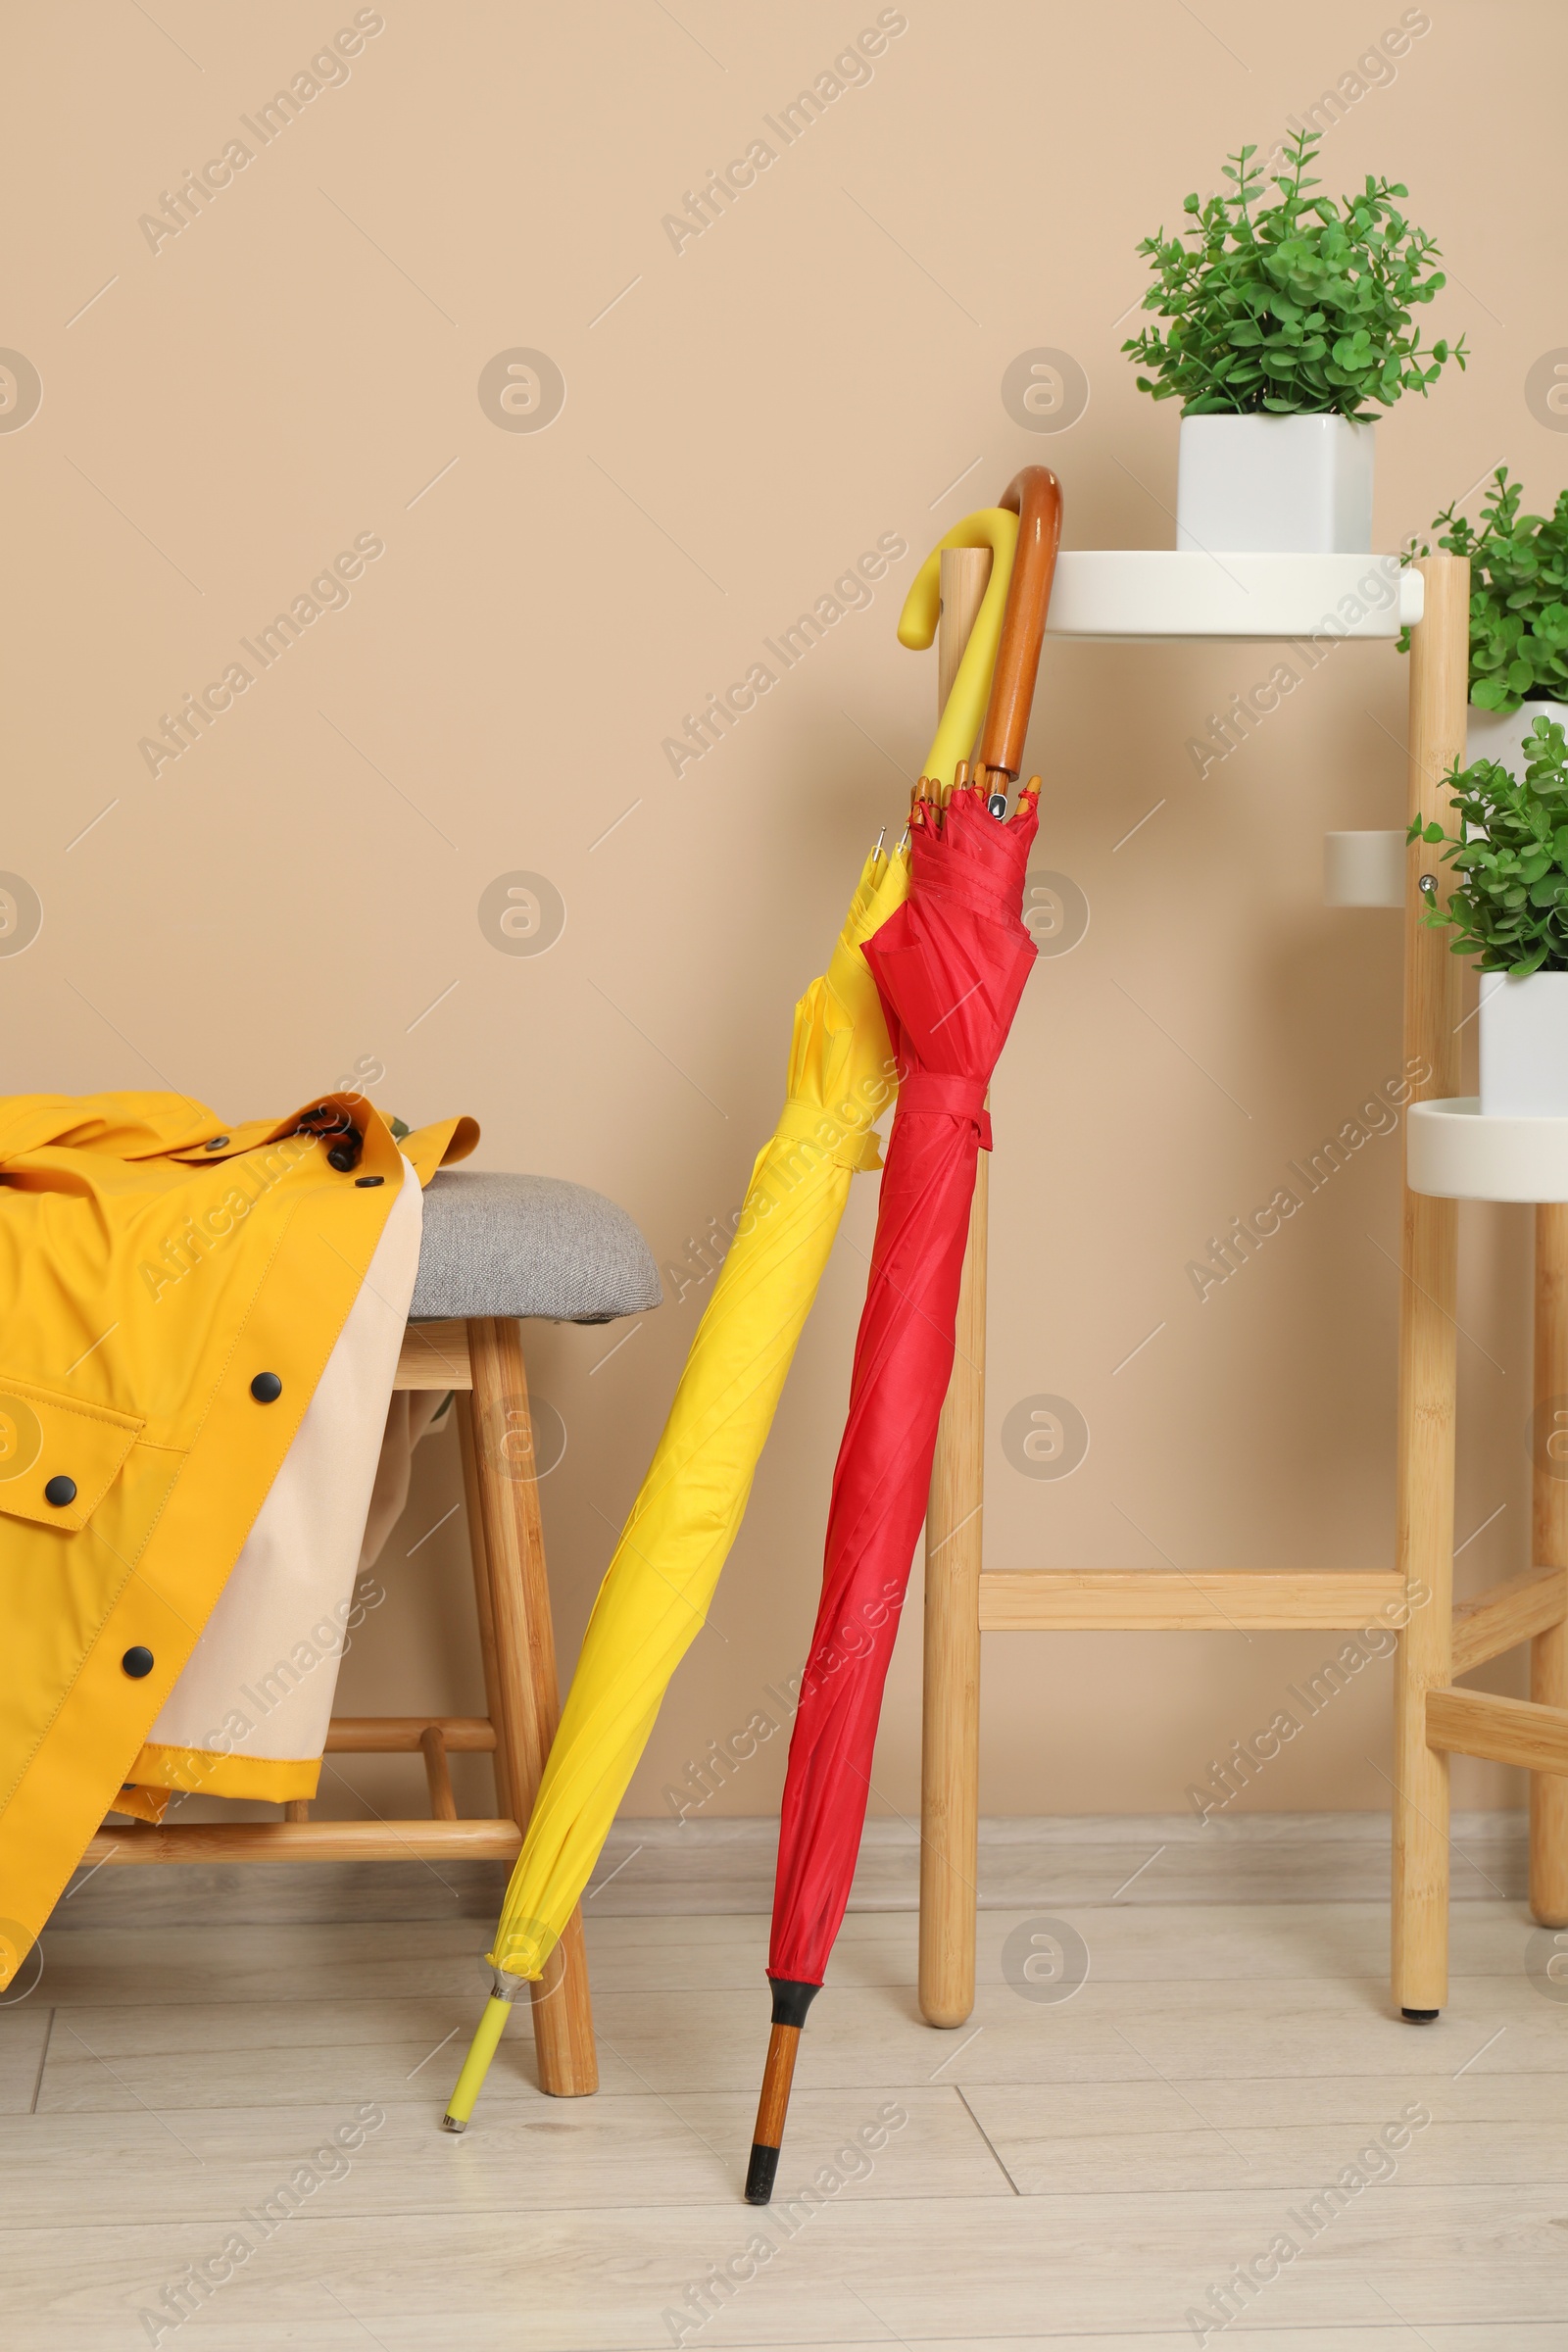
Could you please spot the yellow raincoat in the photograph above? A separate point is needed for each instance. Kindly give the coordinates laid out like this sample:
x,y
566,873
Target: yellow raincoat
x,y
154,1265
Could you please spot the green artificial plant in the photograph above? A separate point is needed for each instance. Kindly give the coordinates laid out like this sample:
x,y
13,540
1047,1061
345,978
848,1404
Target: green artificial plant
x,y
1509,906
1518,596
1298,306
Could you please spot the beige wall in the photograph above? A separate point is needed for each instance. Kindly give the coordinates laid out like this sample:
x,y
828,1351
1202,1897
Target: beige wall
x,y
288,899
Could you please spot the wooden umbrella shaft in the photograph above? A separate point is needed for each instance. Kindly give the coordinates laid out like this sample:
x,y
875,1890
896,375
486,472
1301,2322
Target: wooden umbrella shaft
x,y
791,2001
771,2109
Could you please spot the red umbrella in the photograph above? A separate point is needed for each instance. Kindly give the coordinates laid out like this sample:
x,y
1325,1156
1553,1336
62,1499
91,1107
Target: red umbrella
x,y
950,967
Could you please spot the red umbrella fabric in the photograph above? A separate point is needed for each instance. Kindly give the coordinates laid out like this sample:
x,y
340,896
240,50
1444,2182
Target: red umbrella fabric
x,y
950,967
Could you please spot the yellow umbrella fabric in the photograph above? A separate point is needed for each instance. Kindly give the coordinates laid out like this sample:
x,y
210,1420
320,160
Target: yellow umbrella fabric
x,y
655,1596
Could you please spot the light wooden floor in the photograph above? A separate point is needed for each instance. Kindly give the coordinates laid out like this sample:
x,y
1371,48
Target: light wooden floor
x,y
1074,2176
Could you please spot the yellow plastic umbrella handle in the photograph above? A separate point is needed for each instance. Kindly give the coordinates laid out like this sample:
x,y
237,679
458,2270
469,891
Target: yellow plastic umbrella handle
x,y
487,2035
996,528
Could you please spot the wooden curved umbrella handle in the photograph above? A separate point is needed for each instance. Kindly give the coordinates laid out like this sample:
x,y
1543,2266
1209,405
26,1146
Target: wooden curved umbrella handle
x,y
1035,497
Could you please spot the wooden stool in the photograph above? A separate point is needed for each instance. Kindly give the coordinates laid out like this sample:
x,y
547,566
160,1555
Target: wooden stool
x,y
522,1246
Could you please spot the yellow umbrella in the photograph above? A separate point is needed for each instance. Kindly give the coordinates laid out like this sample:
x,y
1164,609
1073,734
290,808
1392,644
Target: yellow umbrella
x,y
654,1599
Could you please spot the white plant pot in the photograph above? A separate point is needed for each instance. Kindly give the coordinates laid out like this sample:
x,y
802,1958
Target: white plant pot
x,y
1274,485
1499,734
1524,1046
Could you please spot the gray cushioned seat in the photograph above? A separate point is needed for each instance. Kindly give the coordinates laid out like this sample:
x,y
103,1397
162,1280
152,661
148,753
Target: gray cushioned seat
x,y
528,1245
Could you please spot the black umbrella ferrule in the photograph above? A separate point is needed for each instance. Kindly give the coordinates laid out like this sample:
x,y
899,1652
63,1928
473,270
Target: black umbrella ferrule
x,y
790,2000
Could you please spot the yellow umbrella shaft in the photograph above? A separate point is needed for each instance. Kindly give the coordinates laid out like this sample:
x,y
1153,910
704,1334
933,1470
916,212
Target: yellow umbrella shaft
x,y
481,2049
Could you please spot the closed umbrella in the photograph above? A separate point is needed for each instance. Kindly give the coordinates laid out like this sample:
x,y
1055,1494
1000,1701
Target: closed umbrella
x,y
950,968
655,1596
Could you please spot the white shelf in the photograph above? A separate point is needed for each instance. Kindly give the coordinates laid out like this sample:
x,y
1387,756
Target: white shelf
x,y
1152,593
1459,1156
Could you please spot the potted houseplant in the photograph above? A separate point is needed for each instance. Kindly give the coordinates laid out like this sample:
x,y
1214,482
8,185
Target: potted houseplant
x,y
1287,329
1509,910
1518,618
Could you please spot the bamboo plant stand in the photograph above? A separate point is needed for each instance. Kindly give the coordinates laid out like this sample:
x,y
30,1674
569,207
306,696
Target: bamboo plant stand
x,y
1132,596
483,1362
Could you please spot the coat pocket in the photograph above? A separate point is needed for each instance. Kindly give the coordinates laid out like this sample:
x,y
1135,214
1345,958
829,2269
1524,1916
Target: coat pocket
x,y
58,1456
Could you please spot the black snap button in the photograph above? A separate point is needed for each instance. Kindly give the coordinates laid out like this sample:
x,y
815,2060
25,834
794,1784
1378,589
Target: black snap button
x,y
138,1662
60,1492
217,1143
363,1183
342,1158
267,1387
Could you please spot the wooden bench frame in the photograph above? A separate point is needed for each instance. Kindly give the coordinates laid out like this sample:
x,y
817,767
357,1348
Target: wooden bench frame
x,y
483,1362
1436,1642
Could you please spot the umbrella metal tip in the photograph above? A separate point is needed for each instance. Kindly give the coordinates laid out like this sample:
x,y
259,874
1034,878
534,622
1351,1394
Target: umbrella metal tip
x,y
453,2122
760,2174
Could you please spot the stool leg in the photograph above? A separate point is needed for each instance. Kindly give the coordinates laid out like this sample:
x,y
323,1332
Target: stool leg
x,y
1548,1652
949,1742
525,1667
501,1757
